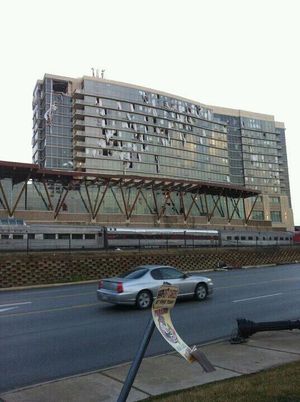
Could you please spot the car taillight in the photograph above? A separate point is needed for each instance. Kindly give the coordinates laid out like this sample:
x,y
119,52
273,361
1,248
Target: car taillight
x,y
100,285
120,287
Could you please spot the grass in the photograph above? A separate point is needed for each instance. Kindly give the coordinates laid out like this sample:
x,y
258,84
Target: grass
x,y
280,384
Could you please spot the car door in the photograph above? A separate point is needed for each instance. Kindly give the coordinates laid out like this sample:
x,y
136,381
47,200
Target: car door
x,y
176,278
157,280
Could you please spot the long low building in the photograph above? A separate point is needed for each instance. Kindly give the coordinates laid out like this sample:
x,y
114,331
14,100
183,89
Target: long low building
x,y
110,152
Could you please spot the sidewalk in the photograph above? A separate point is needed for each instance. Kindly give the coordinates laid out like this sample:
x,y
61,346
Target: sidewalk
x,y
168,372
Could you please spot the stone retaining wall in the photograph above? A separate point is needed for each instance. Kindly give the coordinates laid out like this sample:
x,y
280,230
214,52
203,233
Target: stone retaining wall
x,y
45,268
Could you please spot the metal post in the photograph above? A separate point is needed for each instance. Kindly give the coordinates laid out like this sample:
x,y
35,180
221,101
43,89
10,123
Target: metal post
x,y
246,328
136,362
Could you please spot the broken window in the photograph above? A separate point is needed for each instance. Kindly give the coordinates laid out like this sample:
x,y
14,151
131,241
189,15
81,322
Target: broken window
x,y
60,86
156,163
98,101
106,152
183,138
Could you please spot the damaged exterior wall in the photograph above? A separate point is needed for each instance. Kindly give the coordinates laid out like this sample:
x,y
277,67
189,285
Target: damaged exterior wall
x,y
95,125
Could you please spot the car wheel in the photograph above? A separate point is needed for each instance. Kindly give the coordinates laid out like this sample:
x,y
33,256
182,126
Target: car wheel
x,y
144,300
201,292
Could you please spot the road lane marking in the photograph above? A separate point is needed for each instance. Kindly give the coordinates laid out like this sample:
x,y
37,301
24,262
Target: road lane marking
x,y
34,296
14,304
257,297
50,310
11,306
7,309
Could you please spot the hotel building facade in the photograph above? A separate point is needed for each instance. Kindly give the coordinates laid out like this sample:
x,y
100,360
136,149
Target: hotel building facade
x,y
161,146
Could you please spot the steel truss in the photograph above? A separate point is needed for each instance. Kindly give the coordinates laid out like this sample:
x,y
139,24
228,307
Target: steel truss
x,y
173,193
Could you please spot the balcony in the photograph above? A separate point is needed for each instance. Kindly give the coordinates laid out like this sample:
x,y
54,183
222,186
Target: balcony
x,y
79,135
80,156
79,113
78,104
78,94
78,123
79,145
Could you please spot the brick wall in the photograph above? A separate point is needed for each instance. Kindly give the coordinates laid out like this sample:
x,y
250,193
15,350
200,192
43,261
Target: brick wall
x,y
44,268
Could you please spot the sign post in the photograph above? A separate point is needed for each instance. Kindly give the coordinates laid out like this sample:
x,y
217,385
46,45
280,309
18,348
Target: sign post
x,y
165,301
136,362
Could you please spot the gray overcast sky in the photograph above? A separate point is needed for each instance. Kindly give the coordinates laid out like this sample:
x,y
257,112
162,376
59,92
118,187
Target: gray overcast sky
x,y
235,53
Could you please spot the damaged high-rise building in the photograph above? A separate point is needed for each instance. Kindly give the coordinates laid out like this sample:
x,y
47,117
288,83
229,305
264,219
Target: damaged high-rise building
x,y
95,125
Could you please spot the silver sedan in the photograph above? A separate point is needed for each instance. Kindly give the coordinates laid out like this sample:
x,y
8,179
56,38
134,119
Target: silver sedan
x,y
139,286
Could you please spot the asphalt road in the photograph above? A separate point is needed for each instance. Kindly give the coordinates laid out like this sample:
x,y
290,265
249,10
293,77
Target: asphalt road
x,y
60,331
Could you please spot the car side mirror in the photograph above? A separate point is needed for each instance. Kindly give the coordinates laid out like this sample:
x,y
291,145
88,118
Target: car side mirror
x,y
185,276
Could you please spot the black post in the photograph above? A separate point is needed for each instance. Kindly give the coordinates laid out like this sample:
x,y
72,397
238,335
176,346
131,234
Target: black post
x,y
247,328
136,362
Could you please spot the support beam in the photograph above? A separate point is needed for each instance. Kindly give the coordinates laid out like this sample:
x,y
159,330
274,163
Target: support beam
x,y
95,212
83,201
194,199
18,198
182,206
134,202
60,204
163,208
227,210
6,205
51,207
89,198
155,203
115,197
235,207
206,205
124,201
214,208
147,204
247,218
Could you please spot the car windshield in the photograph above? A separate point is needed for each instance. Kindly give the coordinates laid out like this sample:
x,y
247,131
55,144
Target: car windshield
x,y
134,273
